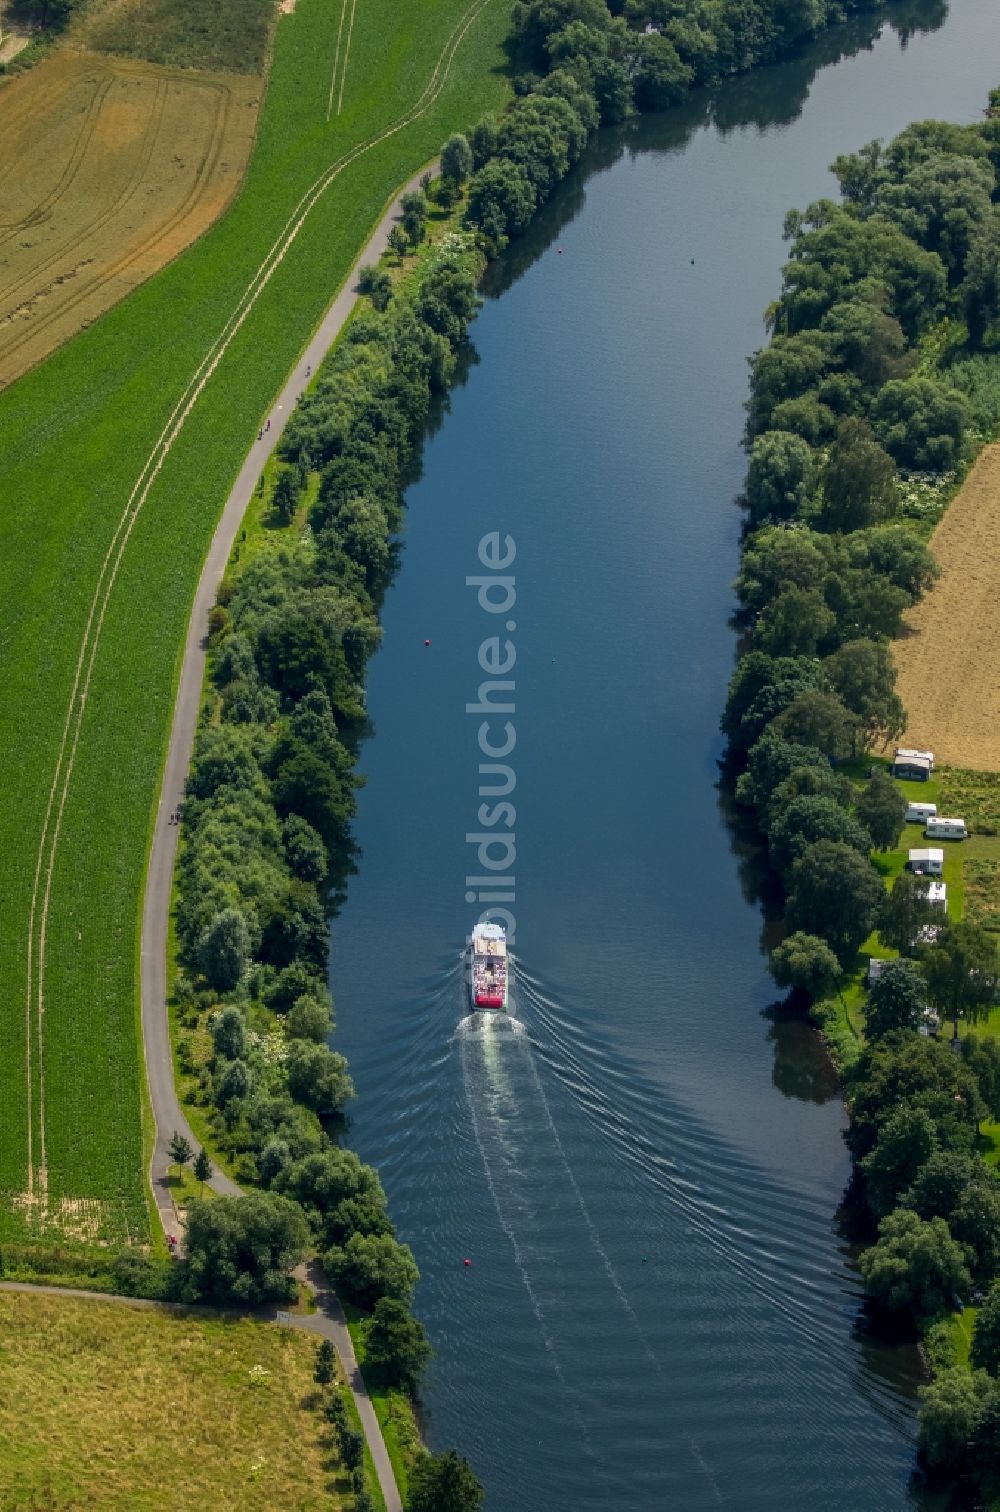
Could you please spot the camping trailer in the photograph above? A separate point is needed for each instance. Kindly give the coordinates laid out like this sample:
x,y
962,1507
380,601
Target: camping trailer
x,y
907,753
919,813
940,828
912,768
926,862
937,894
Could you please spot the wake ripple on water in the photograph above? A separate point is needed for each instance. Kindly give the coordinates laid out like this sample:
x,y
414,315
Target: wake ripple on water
x,y
709,1185
544,1119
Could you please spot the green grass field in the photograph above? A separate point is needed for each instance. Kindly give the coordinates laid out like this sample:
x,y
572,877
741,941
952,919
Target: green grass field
x,y
105,1406
77,435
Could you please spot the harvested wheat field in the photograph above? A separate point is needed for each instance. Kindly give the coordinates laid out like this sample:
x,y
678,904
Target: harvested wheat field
x,y
108,169
949,660
112,1407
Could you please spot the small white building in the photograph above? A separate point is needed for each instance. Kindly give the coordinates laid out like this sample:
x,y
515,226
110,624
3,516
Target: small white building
x,y
875,969
926,862
937,894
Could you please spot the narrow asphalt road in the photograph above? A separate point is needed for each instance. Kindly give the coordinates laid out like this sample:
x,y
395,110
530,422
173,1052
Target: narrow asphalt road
x,y
167,1114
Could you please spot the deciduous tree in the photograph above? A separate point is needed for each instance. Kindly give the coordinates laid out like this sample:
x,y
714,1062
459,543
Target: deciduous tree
x,y
396,1344
962,971
881,808
444,1483
224,950
456,159
836,894
905,1142
862,674
242,1249
984,1352
897,999
325,1367
915,1266
906,912
370,1266
806,962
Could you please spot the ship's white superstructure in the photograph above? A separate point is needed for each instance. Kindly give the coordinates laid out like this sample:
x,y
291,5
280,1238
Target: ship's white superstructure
x,y
488,967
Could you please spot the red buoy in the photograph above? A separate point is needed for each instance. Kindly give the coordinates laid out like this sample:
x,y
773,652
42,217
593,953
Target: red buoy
x,y
466,1261
426,642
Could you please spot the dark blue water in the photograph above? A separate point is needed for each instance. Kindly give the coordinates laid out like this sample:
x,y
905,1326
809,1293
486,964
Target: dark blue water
x,y
660,1312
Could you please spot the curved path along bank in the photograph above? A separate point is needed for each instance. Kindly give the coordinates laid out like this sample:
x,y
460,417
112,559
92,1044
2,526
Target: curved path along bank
x,y
168,1116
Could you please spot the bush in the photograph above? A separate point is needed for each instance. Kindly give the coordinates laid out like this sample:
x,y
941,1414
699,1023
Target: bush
x,y
317,1076
242,1249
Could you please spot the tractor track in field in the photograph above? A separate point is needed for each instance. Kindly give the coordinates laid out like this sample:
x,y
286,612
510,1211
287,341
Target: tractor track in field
x,y
49,838
109,271
10,229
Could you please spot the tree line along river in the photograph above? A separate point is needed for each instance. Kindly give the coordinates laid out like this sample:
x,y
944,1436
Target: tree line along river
x,y
645,1168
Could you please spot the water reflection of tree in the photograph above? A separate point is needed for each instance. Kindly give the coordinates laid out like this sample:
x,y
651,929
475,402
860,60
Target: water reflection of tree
x,y
764,98
802,1065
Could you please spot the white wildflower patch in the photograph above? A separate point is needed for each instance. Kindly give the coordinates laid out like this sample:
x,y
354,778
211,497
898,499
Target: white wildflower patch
x,y
924,495
257,1375
275,1047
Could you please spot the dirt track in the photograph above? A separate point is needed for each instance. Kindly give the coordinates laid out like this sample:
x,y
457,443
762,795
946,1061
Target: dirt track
x,y
110,169
949,662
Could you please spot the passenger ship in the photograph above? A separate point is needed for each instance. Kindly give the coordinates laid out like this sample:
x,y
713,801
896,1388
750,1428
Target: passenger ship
x,y
488,967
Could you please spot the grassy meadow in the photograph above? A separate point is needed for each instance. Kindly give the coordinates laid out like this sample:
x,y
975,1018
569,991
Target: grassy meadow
x,y
227,34
77,433
139,1410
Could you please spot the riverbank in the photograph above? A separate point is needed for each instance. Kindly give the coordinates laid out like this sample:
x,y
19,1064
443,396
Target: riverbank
x,y
352,537
852,445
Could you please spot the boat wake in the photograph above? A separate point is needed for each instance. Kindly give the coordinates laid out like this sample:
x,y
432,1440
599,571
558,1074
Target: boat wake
x,y
492,1093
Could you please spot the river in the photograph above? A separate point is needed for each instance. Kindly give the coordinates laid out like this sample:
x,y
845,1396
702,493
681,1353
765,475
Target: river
x,y
645,1169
